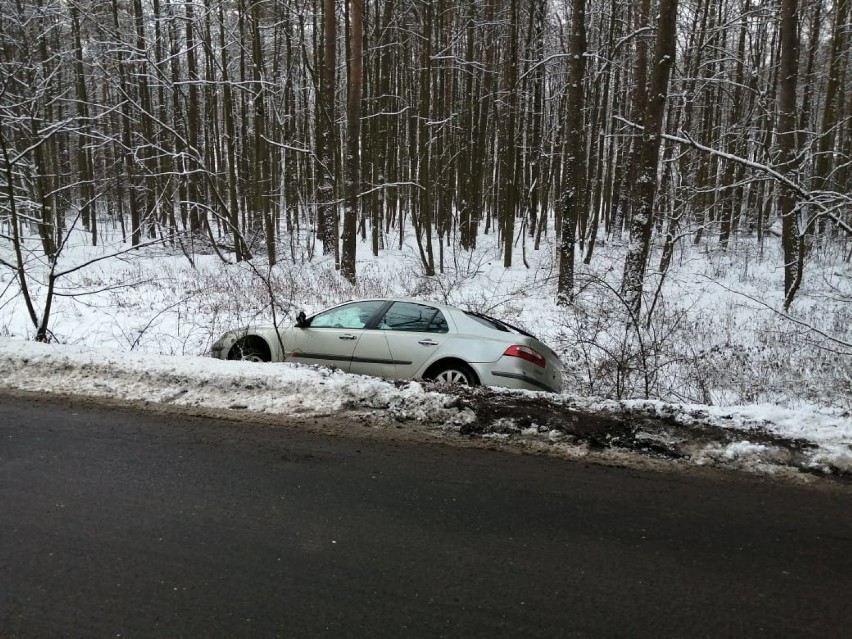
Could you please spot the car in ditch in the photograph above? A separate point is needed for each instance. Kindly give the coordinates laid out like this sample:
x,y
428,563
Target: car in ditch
x,y
404,339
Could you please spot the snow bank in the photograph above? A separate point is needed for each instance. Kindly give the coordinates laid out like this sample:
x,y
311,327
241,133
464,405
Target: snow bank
x,y
211,383
288,389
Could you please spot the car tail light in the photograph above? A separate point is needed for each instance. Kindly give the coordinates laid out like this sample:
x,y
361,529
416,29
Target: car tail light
x,y
525,352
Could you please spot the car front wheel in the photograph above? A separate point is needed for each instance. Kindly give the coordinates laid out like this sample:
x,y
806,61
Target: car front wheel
x,y
250,350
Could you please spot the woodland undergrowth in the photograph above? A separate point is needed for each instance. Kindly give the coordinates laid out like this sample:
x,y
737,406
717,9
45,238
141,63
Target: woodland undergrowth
x,y
711,332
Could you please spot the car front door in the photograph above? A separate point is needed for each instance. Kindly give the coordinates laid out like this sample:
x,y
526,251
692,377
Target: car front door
x,y
330,337
415,333
372,355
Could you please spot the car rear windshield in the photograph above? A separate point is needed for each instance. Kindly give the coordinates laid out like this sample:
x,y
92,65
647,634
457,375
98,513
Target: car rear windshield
x,y
500,325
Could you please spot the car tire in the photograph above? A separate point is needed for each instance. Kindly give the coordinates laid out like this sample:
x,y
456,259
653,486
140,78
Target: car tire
x,y
250,349
453,373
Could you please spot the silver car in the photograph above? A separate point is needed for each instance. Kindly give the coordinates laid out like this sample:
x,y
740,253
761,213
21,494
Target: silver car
x,y
404,339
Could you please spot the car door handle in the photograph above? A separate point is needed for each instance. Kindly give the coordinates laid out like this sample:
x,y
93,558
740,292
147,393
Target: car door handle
x,y
428,342
348,336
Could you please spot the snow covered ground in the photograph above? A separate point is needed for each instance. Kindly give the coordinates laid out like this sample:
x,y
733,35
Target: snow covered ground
x,y
292,389
718,358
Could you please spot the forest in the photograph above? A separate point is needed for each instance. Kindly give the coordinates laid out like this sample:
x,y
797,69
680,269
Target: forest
x,y
279,132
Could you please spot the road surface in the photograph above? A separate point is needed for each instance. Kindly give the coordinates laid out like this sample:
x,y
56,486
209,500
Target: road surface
x,y
121,523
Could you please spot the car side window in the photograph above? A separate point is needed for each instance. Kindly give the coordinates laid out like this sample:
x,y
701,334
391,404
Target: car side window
x,y
409,316
355,315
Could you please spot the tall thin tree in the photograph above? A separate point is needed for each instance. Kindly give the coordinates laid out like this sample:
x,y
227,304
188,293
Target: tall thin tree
x,y
644,188
574,194
787,82
353,140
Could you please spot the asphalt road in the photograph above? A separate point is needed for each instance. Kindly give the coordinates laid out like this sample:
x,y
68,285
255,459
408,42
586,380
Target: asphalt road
x,y
121,523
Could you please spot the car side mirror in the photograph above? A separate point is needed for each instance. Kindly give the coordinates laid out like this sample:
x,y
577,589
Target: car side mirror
x,y
301,320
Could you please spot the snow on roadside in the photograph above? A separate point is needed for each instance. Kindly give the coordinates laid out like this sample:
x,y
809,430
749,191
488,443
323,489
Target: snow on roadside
x,y
828,429
291,388
211,383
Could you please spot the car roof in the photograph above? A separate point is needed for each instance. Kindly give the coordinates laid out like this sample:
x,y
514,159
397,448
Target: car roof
x,y
411,300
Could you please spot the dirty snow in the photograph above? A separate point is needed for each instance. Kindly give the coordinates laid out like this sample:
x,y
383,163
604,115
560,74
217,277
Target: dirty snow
x,y
288,389
135,327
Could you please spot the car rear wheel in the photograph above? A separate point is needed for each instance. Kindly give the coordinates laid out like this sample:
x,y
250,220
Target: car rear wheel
x,y
250,349
453,373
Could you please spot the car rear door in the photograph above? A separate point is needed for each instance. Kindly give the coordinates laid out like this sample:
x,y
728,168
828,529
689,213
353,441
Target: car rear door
x,y
415,334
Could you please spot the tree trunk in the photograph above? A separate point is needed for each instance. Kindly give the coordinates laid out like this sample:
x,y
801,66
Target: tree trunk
x,y
645,186
84,155
326,123
241,251
574,196
826,147
423,220
127,143
193,123
787,120
353,140
506,172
